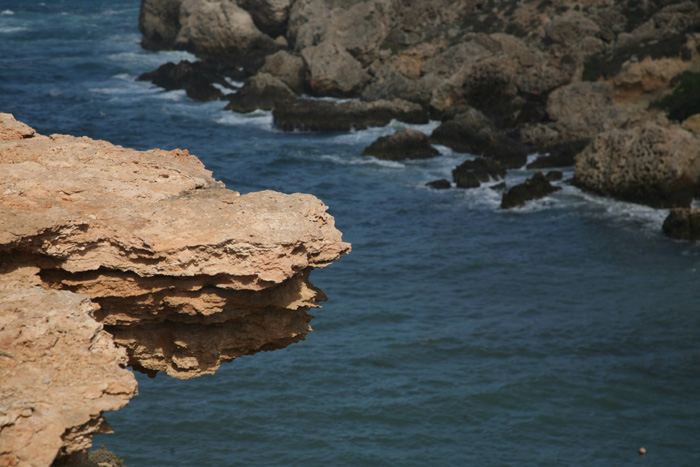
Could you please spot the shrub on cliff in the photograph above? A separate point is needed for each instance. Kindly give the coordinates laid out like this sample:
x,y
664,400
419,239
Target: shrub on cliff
x,y
684,101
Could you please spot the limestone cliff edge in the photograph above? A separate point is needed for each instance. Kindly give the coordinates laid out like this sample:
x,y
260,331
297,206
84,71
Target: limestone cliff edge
x,y
112,257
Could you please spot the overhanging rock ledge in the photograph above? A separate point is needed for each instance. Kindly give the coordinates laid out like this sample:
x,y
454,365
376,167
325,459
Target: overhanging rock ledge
x,y
112,257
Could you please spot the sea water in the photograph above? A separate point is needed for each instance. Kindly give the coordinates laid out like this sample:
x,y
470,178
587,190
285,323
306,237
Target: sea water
x,y
566,332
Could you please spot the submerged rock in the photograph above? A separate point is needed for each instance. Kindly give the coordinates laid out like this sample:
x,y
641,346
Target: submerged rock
x,y
535,187
683,224
404,144
442,184
322,115
141,259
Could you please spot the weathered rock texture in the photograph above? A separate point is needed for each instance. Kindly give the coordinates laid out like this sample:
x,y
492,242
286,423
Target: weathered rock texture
x,y
648,164
181,273
507,78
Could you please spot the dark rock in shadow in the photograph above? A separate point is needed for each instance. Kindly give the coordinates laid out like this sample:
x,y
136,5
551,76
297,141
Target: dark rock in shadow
x,y
554,175
472,173
405,144
683,224
331,116
196,78
534,188
442,184
560,155
473,133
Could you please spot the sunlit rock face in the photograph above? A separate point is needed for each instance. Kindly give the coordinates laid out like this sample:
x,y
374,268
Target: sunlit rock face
x,y
137,259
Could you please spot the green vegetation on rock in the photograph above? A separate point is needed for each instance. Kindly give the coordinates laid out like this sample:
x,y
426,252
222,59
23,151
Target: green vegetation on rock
x,y
684,101
104,457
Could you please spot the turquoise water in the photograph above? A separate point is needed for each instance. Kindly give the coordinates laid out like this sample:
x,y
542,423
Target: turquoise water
x,y
563,333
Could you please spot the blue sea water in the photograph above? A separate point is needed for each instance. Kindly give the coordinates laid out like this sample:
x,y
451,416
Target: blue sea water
x,y
563,333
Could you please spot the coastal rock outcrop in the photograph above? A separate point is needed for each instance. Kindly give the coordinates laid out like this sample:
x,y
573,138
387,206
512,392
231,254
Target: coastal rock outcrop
x,y
647,164
112,257
535,187
262,91
472,173
683,224
470,131
404,144
197,79
322,115
333,71
211,29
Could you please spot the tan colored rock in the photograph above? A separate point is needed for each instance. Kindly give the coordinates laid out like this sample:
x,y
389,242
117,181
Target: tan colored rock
x,y
649,75
582,98
358,27
12,129
288,68
220,29
182,273
571,28
59,371
333,71
692,123
646,164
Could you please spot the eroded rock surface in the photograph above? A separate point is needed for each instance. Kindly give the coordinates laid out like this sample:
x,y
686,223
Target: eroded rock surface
x,y
648,164
112,257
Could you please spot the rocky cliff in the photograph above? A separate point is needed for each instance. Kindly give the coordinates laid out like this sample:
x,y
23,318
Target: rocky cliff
x,y
111,257
544,76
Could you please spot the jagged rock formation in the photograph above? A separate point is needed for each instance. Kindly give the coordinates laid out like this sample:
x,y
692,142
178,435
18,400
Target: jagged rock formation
x,y
535,187
507,79
472,173
113,257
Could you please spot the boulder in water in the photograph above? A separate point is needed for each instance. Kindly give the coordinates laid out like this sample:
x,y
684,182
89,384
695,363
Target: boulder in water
x,y
404,144
535,187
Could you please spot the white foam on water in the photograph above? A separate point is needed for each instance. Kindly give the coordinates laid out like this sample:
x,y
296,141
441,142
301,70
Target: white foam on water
x,y
481,197
232,82
363,160
11,29
7,13
531,158
259,118
371,134
630,214
176,95
140,59
125,86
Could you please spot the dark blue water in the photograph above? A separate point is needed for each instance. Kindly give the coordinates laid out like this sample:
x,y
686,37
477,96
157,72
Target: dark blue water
x,y
564,333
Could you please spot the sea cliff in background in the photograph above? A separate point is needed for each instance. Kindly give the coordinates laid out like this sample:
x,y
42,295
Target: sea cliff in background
x,y
567,80
114,257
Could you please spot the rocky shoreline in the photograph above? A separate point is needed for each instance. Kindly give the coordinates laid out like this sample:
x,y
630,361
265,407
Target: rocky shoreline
x,y
573,82
112,257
